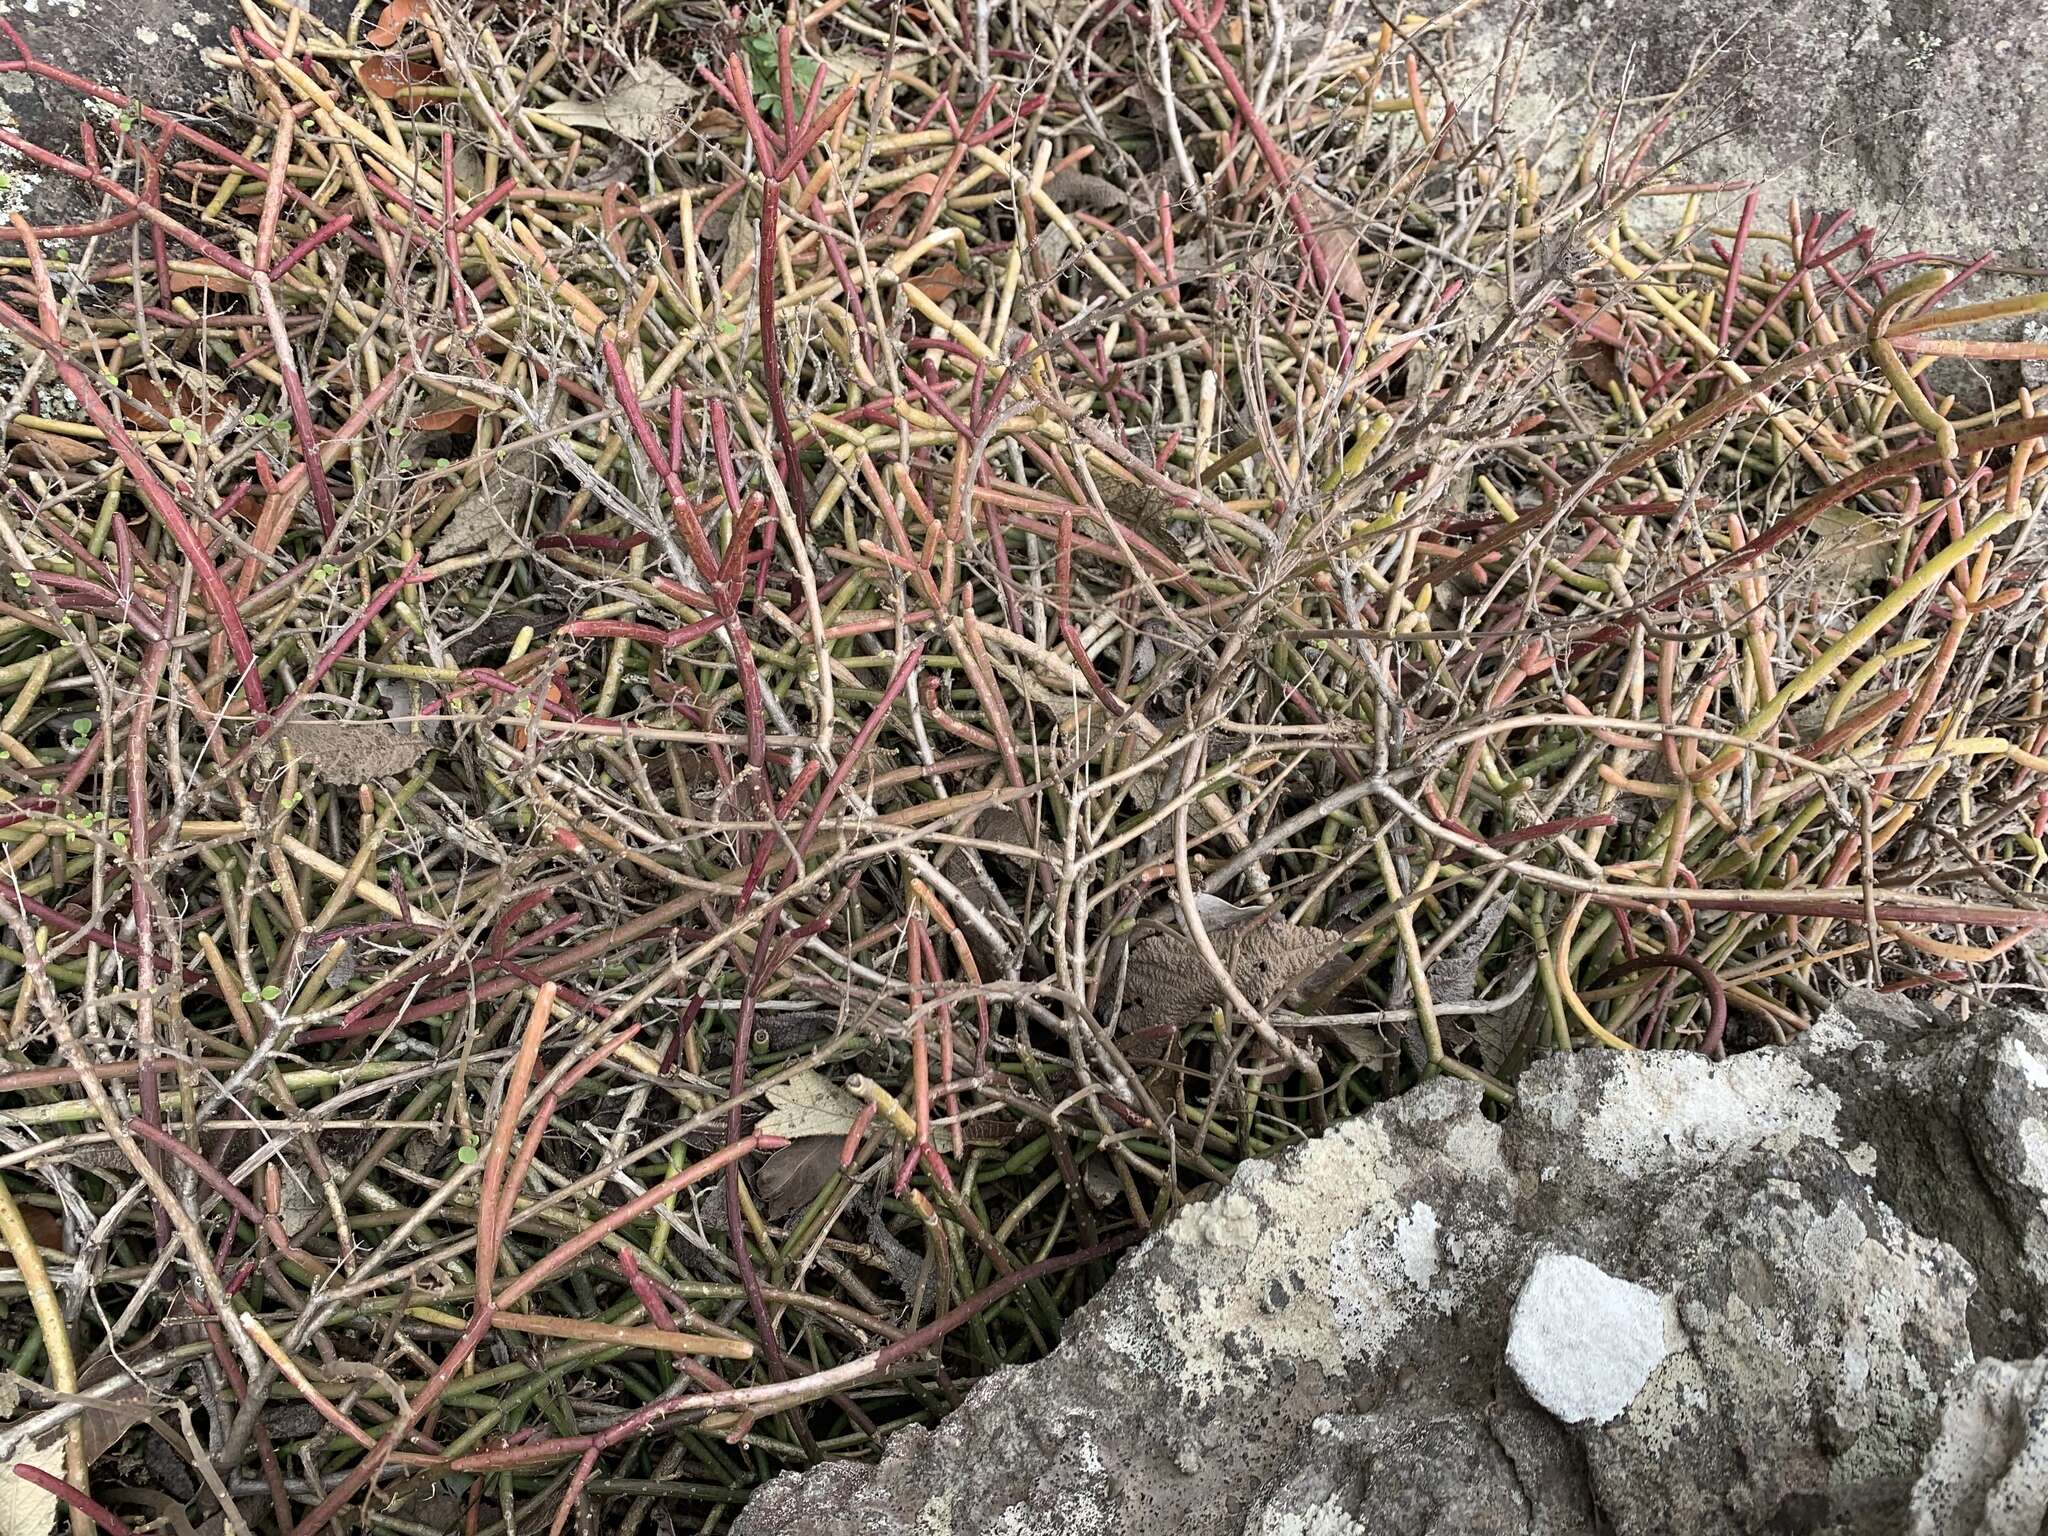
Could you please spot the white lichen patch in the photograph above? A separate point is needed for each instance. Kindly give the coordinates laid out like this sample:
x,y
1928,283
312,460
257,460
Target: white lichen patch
x,y
1415,1245
1388,1271
1069,1514
2034,1152
1987,1472
1662,1112
1316,1259
2014,1052
1228,1221
1328,1518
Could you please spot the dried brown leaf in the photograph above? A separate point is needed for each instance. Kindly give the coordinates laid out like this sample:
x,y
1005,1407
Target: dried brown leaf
x,y
492,516
938,283
351,752
790,1177
389,77
147,404
210,278
452,417
393,20
1170,985
55,446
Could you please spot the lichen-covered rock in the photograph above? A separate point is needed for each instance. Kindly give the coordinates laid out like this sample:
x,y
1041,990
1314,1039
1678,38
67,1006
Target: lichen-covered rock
x,y
1987,1474
1322,1349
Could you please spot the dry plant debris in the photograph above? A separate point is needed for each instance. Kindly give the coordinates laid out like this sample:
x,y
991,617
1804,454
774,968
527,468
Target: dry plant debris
x,y
1047,597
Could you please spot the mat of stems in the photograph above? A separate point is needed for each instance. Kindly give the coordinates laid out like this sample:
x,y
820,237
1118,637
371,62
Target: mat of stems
x,y
578,579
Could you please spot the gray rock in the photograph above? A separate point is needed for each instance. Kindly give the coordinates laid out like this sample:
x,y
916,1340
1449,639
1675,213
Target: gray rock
x,y
1921,116
1581,1342
1987,1474
152,51
1831,1236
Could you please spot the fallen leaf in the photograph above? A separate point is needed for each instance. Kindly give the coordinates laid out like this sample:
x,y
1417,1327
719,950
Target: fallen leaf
x,y
445,420
147,404
25,1509
389,77
67,451
809,1104
939,282
393,20
790,1177
212,279
918,186
350,752
492,517
1169,985
647,104
45,1226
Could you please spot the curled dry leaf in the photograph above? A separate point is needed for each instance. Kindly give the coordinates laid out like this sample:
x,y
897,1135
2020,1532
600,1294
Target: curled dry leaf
x,y
453,418
52,447
393,20
939,282
646,104
188,277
